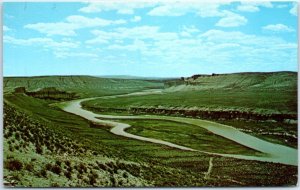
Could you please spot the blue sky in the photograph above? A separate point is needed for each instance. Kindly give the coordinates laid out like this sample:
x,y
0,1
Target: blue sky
x,y
148,38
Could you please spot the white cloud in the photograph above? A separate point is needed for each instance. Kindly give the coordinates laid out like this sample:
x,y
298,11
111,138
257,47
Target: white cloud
x,y
59,28
210,10
231,20
136,19
180,8
139,32
74,54
282,6
5,28
62,49
137,45
248,8
44,42
122,7
71,24
190,29
154,46
168,10
278,28
293,10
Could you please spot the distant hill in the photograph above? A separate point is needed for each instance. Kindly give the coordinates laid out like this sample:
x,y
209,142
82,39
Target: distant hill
x,y
279,80
135,77
83,85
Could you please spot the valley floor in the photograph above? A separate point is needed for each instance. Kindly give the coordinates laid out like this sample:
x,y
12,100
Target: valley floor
x,y
65,147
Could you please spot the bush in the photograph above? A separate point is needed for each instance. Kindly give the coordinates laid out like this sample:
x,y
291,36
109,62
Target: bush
x,y
14,165
68,174
58,162
81,168
48,166
68,163
55,184
56,169
39,150
102,166
93,178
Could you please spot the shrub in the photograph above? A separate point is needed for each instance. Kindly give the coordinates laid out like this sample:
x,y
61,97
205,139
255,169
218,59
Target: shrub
x,y
58,162
11,148
39,149
125,175
17,135
33,159
68,163
113,181
93,178
102,166
82,168
56,169
48,166
14,165
55,184
68,174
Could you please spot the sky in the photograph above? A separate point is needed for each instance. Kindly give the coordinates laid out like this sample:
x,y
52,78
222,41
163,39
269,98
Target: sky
x,y
154,38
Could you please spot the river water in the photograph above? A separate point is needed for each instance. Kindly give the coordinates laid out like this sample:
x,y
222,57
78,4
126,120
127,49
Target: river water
x,y
274,152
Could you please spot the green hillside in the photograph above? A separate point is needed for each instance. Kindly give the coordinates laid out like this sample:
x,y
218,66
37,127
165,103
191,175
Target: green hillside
x,y
272,80
44,146
248,92
83,85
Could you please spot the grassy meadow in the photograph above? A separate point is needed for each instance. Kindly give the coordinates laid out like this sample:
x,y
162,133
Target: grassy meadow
x,y
45,146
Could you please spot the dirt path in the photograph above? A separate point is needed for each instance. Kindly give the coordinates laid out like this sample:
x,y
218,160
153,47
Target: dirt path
x,y
275,153
210,166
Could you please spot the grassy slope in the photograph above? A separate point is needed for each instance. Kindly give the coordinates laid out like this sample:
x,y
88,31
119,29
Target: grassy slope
x,y
37,156
247,80
249,100
251,92
168,167
83,85
260,92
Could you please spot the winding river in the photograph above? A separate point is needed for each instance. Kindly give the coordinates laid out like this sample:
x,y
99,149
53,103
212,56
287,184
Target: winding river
x,y
274,152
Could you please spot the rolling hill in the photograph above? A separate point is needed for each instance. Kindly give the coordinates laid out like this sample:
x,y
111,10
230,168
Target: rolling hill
x,y
271,80
82,85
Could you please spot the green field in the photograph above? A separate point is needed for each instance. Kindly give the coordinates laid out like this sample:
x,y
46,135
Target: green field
x,y
187,135
45,146
84,86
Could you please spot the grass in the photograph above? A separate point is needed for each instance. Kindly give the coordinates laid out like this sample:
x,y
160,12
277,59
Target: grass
x,y
187,135
84,86
271,101
61,162
278,132
146,164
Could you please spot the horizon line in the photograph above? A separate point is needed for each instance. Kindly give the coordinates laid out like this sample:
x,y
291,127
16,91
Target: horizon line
x,y
250,72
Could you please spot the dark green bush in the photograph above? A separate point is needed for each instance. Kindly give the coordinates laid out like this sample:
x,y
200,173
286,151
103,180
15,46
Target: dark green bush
x,y
68,174
68,163
48,166
39,149
93,178
58,162
56,169
14,165
81,168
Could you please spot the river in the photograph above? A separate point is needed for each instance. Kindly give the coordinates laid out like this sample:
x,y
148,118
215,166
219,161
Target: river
x,y
274,152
